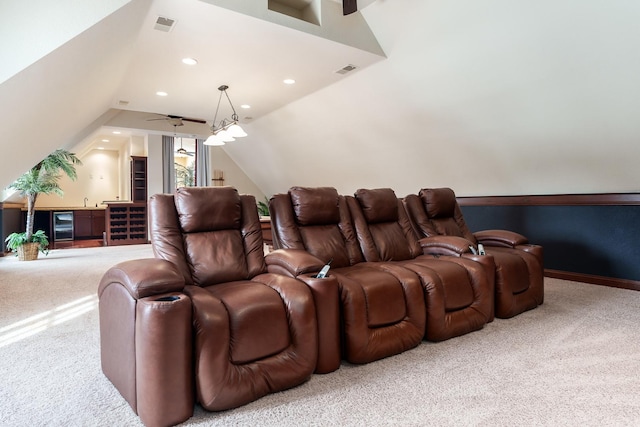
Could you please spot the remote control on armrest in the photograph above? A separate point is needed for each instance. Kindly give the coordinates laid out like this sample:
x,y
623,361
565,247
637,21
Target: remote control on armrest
x,y
325,270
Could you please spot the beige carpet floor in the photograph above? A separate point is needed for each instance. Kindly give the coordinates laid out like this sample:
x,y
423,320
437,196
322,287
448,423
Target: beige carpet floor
x,y
575,361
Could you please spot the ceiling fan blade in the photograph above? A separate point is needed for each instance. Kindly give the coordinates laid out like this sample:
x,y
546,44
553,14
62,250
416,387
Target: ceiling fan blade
x,y
177,120
349,6
183,152
173,120
187,119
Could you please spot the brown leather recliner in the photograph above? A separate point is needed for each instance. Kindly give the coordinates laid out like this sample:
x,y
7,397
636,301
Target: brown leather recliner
x,y
204,320
435,214
382,307
458,291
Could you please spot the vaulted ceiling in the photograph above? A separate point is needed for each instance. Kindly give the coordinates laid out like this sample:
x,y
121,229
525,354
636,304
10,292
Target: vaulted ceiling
x,y
489,97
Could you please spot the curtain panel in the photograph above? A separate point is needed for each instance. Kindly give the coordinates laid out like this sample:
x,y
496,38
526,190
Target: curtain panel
x,y
203,164
168,167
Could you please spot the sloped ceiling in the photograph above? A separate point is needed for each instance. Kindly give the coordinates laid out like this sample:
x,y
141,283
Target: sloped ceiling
x,y
489,97
109,74
56,101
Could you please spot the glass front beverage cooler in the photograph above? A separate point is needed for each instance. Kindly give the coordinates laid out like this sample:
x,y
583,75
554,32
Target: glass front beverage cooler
x,y
63,226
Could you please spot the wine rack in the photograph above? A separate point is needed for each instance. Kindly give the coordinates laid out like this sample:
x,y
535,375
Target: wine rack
x,y
126,223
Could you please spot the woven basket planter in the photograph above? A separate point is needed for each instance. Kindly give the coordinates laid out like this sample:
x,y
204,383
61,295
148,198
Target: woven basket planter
x,y
28,251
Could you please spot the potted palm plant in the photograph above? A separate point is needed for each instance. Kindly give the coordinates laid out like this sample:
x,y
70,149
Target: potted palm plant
x,y
43,178
185,175
263,208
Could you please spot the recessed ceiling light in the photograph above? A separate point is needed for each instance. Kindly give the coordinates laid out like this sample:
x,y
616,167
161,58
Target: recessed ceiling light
x,y
116,132
161,93
189,61
100,148
288,81
245,106
105,140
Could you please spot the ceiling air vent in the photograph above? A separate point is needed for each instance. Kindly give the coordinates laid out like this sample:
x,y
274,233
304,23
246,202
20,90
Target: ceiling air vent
x,y
346,69
164,24
123,103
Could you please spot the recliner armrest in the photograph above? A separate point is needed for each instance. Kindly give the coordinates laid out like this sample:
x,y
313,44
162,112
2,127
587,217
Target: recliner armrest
x,y
535,250
503,238
144,277
444,245
292,262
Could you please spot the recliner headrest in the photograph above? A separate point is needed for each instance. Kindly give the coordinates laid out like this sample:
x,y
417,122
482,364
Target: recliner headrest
x,y
378,205
208,208
315,206
439,202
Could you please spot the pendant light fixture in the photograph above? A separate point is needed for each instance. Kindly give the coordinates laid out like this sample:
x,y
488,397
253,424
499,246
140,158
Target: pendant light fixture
x,y
226,130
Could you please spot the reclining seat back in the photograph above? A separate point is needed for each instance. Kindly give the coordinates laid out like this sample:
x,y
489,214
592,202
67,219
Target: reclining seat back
x,y
519,269
384,232
315,220
210,239
255,332
457,292
381,312
441,215
325,230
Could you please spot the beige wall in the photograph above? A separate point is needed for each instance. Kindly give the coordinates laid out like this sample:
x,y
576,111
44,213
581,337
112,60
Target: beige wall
x,y
104,175
98,179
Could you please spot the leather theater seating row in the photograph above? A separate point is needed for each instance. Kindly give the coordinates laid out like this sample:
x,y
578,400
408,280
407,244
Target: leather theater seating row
x,y
213,320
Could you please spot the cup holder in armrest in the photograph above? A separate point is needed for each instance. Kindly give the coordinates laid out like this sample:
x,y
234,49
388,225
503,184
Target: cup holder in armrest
x,y
168,298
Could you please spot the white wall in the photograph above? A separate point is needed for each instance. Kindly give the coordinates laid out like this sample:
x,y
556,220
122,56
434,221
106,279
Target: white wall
x,y
154,164
234,176
491,97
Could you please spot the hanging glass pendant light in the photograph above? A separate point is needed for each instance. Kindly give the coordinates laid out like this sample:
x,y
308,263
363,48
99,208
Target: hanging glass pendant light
x,y
227,129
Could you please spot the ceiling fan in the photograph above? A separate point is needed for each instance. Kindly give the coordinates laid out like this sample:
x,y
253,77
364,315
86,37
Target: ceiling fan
x,y
180,152
177,120
183,152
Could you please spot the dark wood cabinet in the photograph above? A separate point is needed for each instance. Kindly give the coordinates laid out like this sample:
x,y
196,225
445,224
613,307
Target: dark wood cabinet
x,y
138,179
42,220
265,227
82,225
98,226
88,224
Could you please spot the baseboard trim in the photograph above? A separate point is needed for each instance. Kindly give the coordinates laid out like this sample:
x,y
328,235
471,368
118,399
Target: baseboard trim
x,y
594,280
604,199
